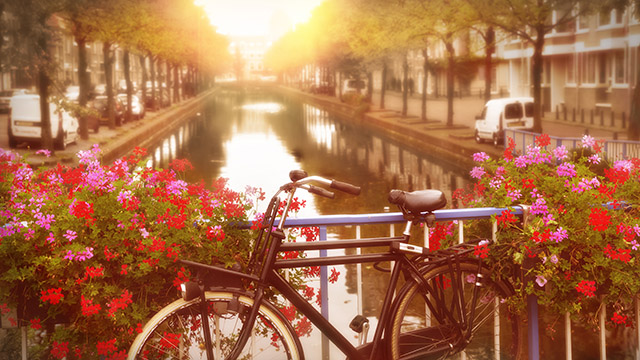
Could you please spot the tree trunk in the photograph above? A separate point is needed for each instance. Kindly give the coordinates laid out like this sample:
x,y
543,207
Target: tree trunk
x,y
143,82
488,63
176,84
383,84
167,85
127,78
152,71
450,81
425,71
537,79
405,83
108,74
43,89
84,83
633,131
369,86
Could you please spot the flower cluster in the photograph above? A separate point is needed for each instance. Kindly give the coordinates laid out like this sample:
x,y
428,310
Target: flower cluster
x,y
95,246
579,245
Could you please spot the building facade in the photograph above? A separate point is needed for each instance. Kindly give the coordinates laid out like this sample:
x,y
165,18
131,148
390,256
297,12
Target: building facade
x,y
590,64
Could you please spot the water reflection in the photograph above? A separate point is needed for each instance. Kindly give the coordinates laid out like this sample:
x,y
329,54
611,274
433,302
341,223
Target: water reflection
x,y
256,139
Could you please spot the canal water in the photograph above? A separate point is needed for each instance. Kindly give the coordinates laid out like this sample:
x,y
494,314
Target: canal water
x,y
254,139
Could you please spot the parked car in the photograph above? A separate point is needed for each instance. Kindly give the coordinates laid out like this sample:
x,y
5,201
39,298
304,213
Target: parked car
x,y
99,90
500,114
72,93
356,86
100,105
137,108
6,95
24,123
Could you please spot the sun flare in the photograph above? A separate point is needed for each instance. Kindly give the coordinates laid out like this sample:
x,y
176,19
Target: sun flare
x,y
270,18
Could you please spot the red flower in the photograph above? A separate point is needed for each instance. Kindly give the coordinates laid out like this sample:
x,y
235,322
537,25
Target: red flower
x,y
88,308
106,347
588,288
59,350
543,140
35,324
599,219
619,319
506,217
82,210
527,184
481,251
334,275
119,303
53,296
508,152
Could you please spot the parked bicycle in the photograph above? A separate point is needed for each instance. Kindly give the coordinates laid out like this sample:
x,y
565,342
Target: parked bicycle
x,y
437,303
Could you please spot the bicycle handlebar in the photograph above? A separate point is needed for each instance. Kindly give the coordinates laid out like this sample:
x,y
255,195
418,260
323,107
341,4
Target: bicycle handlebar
x,y
345,187
301,179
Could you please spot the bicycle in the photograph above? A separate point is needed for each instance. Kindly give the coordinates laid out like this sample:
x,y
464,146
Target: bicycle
x,y
445,300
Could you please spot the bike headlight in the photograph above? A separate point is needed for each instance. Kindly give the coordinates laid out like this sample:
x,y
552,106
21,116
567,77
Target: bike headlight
x,y
190,290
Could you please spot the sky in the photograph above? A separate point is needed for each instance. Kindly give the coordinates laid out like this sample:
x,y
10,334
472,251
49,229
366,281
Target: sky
x,y
270,18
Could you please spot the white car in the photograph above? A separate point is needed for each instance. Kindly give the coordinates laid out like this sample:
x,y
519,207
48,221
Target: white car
x,y
500,114
6,95
137,108
25,125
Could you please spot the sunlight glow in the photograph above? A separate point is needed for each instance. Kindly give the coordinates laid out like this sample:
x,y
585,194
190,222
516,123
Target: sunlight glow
x,y
270,18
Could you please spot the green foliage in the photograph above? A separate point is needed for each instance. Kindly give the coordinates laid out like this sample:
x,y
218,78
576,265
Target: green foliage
x,y
579,247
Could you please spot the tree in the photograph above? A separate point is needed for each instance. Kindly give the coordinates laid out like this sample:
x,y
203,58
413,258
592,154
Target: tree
x,y
531,20
34,34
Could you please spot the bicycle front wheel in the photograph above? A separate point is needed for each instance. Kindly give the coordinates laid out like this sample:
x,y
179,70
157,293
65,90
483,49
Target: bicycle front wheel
x,y
176,331
418,333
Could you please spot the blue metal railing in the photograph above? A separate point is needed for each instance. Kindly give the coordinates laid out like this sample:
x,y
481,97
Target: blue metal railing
x,y
394,218
615,149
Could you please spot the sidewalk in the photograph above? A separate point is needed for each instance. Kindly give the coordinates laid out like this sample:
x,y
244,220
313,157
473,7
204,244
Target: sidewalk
x,y
116,142
466,108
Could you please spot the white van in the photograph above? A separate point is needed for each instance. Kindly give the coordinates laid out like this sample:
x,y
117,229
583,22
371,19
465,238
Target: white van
x,y
499,114
24,122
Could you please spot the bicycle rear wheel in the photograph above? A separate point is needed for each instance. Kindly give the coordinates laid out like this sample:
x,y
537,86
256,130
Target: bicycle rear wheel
x,y
175,332
417,333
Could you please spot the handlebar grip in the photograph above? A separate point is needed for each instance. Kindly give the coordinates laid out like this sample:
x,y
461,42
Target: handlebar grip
x,y
320,191
345,187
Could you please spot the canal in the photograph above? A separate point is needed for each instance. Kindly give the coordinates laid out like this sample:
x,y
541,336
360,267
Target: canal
x,y
254,139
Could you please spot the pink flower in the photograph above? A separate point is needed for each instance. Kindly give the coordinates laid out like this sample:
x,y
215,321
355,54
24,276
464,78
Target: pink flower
x,y
540,280
480,157
588,141
477,172
70,235
44,152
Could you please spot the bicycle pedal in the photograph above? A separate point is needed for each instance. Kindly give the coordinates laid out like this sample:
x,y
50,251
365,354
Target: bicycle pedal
x,y
358,323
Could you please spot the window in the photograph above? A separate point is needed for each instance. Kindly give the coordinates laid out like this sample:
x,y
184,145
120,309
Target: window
x,y
618,64
619,13
513,111
604,18
604,74
528,109
563,13
570,69
583,22
589,69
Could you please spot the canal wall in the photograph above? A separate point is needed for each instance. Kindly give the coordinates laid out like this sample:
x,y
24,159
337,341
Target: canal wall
x,y
148,133
454,144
